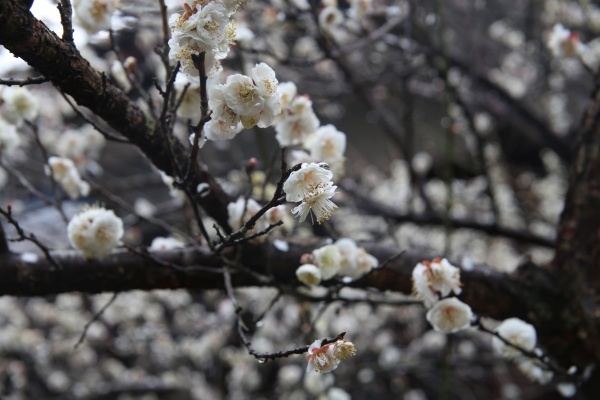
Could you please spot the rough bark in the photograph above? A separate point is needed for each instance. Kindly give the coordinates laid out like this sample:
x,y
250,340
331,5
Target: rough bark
x,y
491,293
576,266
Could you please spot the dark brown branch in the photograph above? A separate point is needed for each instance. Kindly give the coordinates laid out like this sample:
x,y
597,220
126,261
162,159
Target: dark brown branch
x,y
66,11
23,82
4,249
490,293
577,260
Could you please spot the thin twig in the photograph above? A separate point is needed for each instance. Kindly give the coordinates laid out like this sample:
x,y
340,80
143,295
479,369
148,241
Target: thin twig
x,y
31,238
126,206
531,354
199,62
107,135
275,201
57,202
241,328
94,319
28,185
66,11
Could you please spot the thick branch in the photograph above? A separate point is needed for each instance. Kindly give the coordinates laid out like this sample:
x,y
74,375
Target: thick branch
x,y
577,261
491,293
60,62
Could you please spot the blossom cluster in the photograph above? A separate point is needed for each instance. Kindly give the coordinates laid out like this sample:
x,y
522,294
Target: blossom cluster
x,y
297,119
203,27
435,278
311,184
327,358
95,232
343,258
64,171
297,124
243,102
82,146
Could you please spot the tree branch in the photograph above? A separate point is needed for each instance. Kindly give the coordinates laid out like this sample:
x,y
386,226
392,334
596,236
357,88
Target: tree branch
x,y
491,293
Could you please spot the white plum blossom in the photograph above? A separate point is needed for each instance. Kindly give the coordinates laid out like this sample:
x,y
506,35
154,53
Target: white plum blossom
x,y
326,358
221,111
517,332
287,93
20,104
95,232
318,201
201,29
165,243
330,17
203,25
321,358
365,262
450,315
433,278
564,43
343,349
66,174
348,250
328,145
254,98
264,78
80,145
93,15
190,102
184,54
355,260
328,258
296,122
220,130
300,183
309,274
9,138
311,184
